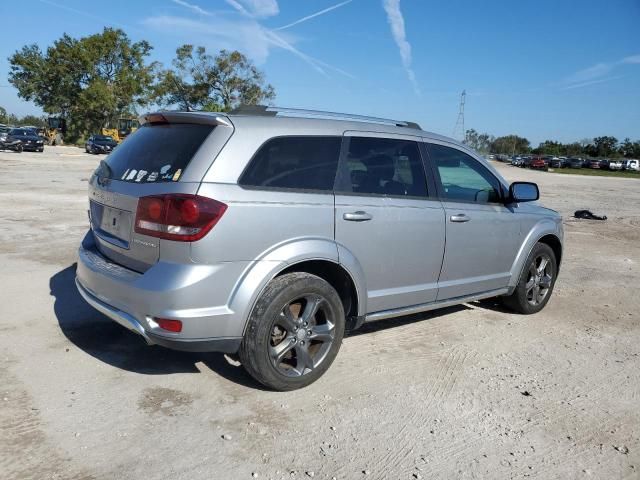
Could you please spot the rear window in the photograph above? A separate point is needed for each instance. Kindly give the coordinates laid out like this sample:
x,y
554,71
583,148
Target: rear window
x,y
156,152
301,163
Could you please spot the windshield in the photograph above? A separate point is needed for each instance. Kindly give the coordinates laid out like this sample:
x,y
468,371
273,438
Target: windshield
x,y
156,153
19,132
103,138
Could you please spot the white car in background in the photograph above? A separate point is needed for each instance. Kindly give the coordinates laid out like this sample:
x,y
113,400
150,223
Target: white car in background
x,y
632,165
615,164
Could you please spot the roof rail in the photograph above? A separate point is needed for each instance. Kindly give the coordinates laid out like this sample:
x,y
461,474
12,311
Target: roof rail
x,y
269,111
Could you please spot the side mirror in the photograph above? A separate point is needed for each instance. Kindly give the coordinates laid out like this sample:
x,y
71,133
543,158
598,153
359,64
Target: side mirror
x,y
523,192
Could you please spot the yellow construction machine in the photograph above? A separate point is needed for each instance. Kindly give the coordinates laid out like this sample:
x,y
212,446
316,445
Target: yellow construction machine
x,y
55,130
124,128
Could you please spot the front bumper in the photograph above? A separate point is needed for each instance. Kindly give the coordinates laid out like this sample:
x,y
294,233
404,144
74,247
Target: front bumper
x,y
32,147
197,295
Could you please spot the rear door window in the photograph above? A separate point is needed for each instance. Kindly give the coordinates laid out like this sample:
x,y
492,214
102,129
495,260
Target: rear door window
x,y
383,166
155,153
299,163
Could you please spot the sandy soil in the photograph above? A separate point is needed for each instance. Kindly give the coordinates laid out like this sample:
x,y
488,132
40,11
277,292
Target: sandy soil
x,y
468,392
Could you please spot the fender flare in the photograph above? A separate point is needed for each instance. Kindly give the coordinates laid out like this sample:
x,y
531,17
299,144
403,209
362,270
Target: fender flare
x,y
260,272
541,229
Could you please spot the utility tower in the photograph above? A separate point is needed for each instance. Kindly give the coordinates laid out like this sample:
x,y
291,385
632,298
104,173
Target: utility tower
x,y
459,131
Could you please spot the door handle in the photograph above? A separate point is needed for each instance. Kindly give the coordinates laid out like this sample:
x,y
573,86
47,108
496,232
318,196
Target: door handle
x,y
358,216
459,218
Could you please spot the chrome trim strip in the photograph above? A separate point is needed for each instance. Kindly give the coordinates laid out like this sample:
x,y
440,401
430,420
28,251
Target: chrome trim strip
x,y
424,307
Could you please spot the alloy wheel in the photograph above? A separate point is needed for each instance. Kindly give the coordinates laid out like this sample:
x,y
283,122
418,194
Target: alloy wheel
x,y
539,280
302,335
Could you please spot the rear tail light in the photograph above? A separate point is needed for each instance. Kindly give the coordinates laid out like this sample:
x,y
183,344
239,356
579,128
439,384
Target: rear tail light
x,y
180,217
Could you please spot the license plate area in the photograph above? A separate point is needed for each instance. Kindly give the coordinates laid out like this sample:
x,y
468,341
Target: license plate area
x,y
111,224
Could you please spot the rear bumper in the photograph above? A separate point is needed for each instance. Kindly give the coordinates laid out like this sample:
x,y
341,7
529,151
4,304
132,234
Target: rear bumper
x,y
197,295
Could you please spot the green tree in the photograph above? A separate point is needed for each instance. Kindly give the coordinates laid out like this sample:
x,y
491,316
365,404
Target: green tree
x,y
605,146
510,145
551,147
200,81
478,141
3,116
32,120
573,149
89,81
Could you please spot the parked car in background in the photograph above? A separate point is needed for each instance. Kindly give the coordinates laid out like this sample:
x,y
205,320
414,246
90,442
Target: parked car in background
x,y
538,163
632,164
31,141
592,163
615,164
253,234
575,162
100,144
9,144
559,162
517,162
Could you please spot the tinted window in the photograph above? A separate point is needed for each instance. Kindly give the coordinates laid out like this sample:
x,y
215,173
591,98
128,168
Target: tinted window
x,y
308,163
383,166
463,177
156,153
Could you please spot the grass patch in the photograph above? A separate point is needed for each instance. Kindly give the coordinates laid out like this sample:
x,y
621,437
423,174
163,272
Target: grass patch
x,y
597,173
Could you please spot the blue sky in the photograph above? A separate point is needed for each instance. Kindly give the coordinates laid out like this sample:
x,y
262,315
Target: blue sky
x,y
542,69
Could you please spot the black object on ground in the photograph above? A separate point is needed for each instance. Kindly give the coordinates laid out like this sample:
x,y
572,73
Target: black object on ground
x,y
588,215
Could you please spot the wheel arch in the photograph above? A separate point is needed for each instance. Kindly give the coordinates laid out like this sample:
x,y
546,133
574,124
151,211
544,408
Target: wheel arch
x,y
318,256
547,231
335,275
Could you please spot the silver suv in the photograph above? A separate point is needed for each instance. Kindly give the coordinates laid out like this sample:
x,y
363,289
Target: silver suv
x,y
268,233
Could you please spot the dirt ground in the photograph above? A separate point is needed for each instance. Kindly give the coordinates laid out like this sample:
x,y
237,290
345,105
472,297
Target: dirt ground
x,y
468,392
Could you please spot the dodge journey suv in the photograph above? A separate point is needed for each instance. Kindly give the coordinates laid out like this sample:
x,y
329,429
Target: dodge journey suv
x,y
269,232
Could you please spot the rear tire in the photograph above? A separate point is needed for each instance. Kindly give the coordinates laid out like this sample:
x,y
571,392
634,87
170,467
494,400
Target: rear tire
x,y
294,332
536,282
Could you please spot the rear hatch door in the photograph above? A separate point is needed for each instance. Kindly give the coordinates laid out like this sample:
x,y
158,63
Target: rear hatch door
x,y
164,157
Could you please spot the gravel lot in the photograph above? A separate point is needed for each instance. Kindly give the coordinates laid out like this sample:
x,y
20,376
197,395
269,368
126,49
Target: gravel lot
x,y
468,392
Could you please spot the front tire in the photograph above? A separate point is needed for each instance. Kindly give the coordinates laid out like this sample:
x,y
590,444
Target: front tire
x,y
536,282
294,332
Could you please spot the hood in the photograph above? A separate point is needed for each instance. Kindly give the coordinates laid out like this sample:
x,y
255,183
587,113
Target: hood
x,y
109,143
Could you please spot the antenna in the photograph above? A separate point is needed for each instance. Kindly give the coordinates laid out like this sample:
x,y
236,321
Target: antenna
x,y
459,131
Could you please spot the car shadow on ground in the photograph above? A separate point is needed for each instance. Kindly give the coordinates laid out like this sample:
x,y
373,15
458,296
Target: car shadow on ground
x,y
105,340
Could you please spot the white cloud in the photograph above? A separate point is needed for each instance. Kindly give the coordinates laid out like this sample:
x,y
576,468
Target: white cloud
x,y
590,82
256,8
396,22
597,73
243,33
193,8
314,15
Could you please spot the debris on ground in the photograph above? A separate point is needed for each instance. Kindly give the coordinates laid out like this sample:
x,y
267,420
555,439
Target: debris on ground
x,y
588,215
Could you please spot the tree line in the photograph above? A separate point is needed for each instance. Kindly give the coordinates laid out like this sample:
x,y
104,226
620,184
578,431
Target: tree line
x,y
604,146
12,119
94,80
